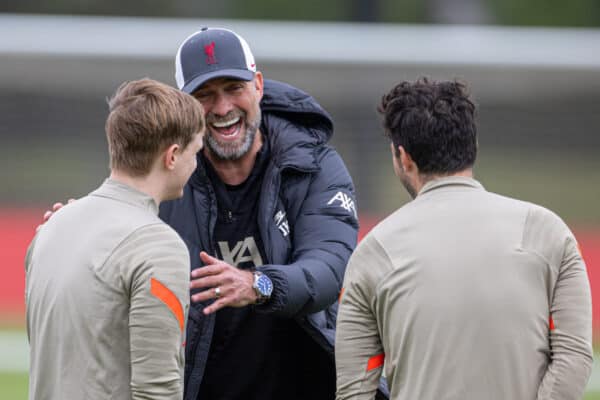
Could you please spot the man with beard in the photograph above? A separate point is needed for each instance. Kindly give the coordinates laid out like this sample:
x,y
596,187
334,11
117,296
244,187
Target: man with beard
x,y
461,293
269,219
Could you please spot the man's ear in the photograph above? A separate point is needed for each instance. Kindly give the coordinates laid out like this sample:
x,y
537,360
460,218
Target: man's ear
x,y
259,83
406,161
170,156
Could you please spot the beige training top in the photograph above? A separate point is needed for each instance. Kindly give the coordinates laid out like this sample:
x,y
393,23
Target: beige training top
x,y
470,295
107,297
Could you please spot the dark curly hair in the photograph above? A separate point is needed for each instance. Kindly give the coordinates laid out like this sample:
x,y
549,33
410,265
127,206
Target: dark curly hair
x,y
434,123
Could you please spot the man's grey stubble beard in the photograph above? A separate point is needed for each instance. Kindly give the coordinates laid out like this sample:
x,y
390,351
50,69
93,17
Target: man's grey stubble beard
x,y
234,153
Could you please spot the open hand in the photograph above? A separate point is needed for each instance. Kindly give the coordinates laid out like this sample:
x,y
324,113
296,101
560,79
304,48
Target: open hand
x,y
49,213
228,285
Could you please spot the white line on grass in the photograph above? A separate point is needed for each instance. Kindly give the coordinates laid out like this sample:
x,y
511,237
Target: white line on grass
x,y
14,357
14,352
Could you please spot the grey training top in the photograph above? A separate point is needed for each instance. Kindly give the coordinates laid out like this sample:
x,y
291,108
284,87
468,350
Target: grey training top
x,y
470,295
107,296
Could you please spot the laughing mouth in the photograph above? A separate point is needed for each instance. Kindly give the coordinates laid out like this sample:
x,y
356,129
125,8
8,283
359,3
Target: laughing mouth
x,y
229,127
225,124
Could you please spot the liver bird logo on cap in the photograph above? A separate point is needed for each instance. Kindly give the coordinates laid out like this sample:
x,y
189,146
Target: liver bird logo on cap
x,y
209,50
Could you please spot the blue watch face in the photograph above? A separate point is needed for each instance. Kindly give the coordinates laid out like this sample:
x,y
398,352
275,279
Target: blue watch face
x,y
264,285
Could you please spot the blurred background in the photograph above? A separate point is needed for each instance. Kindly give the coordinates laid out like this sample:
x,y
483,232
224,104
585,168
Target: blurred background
x,y
533,67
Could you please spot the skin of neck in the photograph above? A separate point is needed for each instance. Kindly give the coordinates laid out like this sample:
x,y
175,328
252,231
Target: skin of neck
x,y
235,172
408,172
421,179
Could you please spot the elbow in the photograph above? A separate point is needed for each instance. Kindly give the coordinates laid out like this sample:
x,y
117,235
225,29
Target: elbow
x,y
163,389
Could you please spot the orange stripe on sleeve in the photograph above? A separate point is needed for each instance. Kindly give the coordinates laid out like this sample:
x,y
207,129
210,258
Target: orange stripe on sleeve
x,y
341,294
166,296
551,323
375,361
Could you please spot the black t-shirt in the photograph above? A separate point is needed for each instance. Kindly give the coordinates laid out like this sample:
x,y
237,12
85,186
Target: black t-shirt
x,y
256,355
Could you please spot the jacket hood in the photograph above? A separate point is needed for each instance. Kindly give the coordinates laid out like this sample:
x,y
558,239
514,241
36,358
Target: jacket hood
x,y
297,106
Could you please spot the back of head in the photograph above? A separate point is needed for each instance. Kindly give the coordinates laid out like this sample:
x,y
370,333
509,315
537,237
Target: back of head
x,y
145,117
434,123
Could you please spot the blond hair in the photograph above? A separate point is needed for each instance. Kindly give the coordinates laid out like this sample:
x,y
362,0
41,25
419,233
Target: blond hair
x,y
146,116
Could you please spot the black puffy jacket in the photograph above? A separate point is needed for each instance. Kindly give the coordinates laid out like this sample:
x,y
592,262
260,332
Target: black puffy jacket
x,y
307,220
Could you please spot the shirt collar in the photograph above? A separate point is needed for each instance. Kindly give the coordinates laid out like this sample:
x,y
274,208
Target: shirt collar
x,y
113,189
450,183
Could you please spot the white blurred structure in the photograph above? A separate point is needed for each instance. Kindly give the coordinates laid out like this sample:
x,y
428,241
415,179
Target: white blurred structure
x,y
537,89
93,54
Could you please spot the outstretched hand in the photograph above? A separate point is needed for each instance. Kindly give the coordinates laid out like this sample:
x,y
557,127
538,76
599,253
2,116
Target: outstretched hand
x,y
49,213
228,285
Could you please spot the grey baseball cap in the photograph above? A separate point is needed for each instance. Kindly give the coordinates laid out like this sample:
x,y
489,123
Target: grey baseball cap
x,y
212,53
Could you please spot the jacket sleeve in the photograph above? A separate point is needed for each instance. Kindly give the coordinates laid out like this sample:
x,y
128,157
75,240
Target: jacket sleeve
x,y
324,234
359,354
570,330
155,268
28,257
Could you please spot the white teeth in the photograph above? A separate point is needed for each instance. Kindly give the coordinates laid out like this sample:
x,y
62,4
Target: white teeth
x,y
225,124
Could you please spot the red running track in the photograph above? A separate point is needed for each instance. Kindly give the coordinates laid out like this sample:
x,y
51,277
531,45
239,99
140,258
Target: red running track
x,y
17,227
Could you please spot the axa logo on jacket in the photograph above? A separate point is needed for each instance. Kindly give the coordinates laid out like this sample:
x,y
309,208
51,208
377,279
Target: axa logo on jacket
x,y
244,251
345,201
282,223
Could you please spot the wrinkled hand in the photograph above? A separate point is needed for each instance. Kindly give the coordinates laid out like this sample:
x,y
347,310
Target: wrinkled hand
x,y
234,284
49,213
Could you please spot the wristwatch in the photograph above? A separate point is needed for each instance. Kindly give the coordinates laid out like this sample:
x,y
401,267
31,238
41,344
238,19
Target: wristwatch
x,y
262,286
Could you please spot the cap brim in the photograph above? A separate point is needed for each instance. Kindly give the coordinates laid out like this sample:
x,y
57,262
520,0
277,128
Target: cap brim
x,y
198,81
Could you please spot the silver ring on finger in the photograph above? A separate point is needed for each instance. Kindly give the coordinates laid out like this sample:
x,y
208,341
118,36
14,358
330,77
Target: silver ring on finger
x,y
217,292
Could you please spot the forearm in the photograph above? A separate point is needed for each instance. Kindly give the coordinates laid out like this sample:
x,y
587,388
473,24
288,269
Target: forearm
x,y
303,287
159,297
358,353
570,338
156,344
